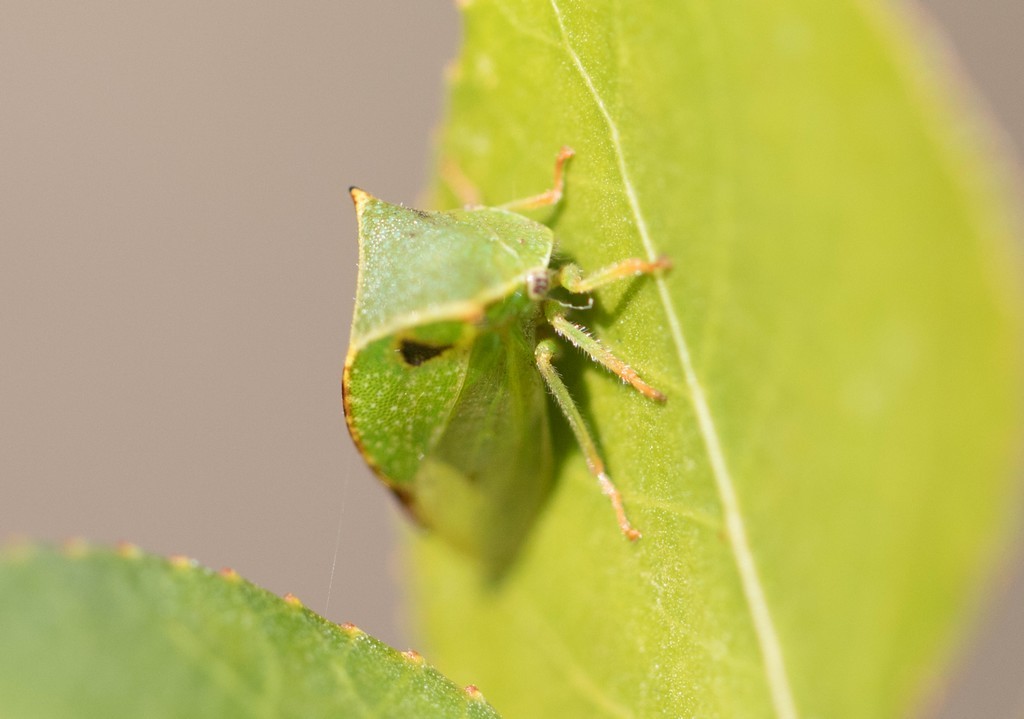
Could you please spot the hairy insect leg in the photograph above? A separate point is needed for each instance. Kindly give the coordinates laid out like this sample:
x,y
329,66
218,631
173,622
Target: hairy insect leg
x,y
548,197
580,337
571,277
545,351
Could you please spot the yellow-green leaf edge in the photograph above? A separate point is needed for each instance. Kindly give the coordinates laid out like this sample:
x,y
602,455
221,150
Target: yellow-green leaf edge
x,y
96,632
830,482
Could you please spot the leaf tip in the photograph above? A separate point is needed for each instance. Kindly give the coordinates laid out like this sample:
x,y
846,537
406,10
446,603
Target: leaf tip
x,y
229,574
180,561
351,629
413,656
128,550
474,693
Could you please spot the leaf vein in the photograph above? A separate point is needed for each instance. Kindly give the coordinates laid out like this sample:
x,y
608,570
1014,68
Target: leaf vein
x,y
768,640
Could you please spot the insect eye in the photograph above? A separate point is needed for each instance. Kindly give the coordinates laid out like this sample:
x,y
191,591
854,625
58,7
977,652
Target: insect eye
x,y
538,282
416,353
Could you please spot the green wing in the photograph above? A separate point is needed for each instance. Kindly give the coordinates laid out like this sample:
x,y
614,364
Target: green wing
x,y
398,396
419,267
460,434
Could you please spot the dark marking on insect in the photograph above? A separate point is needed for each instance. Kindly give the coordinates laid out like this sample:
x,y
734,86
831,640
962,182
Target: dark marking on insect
x,y
538,282
416,353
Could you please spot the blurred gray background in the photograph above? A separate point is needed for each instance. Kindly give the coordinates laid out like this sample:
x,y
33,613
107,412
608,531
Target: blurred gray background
x,y
177,262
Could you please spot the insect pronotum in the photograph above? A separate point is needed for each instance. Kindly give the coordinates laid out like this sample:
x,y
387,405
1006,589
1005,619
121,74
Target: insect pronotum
x,y
452,346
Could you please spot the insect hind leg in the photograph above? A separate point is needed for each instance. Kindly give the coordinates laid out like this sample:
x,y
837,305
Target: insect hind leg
x,y
545,351
581,338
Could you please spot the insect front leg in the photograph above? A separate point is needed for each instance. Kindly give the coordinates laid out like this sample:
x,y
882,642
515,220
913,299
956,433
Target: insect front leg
x,y
544,353
571,277
580,337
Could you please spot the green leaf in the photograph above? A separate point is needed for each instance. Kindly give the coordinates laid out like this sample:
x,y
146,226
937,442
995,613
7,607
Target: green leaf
x,y
829,482
96,633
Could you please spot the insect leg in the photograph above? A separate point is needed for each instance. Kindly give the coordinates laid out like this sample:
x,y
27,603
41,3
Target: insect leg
x,y
548,197
544,352
460,185
571,276
581,338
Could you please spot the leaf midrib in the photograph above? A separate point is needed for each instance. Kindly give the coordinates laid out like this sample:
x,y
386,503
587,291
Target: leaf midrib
x,y
764,628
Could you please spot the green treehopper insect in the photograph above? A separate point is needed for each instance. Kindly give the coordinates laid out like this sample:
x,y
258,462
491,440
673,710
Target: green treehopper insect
x,y
452,343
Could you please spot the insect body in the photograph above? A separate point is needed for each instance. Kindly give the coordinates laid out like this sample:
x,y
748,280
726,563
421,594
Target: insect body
x,y
444,383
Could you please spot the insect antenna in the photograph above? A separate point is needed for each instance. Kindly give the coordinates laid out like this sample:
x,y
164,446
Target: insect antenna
x,y
570,306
